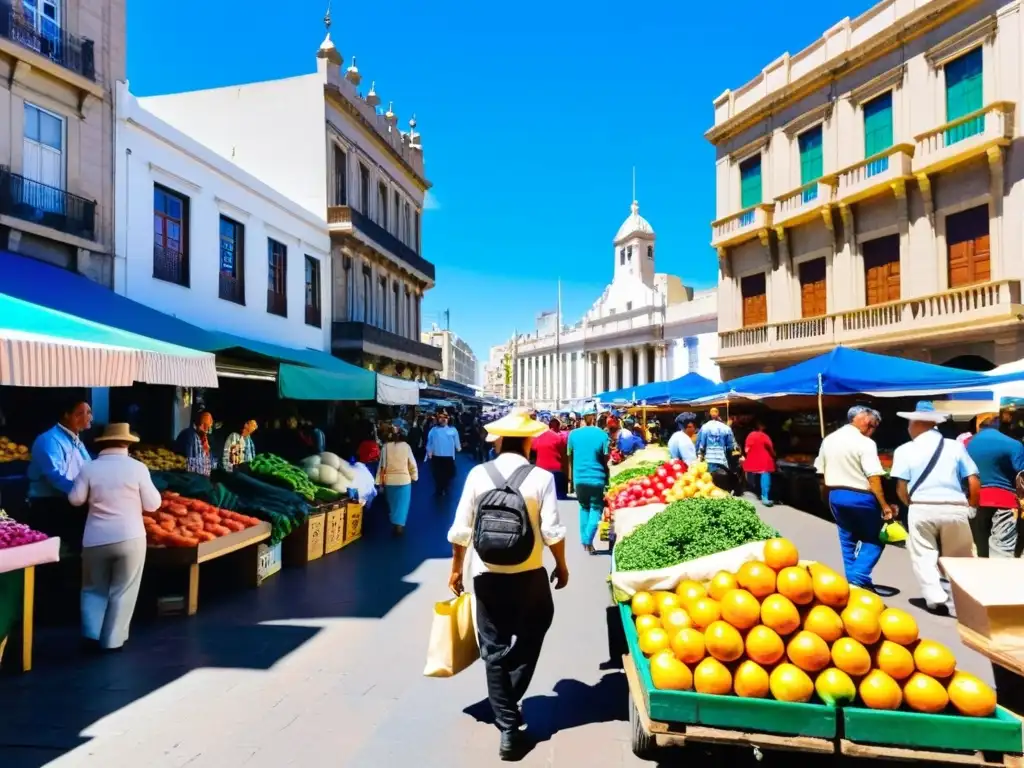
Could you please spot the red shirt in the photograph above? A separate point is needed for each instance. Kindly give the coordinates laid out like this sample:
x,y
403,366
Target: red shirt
x,y
760,453
998,498
550,450
368,451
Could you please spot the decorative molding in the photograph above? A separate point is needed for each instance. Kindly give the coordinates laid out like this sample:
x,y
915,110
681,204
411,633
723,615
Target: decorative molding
x,y
232,210
780,233
995,158
19,72
750,149
846,213
826,216
925,185
899,188
808,120
173,178
977,34
875,87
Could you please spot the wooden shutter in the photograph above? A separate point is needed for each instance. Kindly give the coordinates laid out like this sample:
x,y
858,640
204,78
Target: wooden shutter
x,y
811,164
750,182
882,269
878,124
813,301
755,300
964,94
968,245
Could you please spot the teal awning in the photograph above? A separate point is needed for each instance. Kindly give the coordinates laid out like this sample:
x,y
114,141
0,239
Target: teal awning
x,y
296,382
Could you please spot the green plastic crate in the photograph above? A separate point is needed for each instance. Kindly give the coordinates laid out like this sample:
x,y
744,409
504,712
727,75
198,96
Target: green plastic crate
x,y
689,707
916,730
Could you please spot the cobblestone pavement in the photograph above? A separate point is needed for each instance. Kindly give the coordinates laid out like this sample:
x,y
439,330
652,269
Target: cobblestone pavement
x,y
322,667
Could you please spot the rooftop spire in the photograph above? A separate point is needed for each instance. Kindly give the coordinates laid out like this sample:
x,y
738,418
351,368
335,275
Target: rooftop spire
x,y
327,48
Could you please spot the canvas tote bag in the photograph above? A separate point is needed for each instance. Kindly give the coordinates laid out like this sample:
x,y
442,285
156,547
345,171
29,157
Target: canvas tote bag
x,y
453,645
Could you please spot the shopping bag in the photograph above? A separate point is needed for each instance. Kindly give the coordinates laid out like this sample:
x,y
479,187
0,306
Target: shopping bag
x,y
893,533
453,645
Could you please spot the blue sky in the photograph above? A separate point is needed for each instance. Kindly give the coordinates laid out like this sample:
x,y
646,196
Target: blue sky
x,y
532,116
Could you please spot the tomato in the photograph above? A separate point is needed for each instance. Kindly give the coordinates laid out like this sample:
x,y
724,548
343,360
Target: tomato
x,y
632,503
678,466
649,493
645,483
661,471
659,487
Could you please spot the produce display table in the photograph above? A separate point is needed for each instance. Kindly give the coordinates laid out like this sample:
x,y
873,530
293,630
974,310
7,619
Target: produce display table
x,y
306,543
17,591
1007,667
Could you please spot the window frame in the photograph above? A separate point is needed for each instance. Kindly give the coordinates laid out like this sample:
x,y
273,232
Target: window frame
x,y
382,204
364,187
340,175
277,277
313,310
750,160
185,226
63,143
238,277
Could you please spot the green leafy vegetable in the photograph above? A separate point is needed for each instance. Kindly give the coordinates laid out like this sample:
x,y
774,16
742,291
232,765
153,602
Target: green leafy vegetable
x,y
644,470
688,529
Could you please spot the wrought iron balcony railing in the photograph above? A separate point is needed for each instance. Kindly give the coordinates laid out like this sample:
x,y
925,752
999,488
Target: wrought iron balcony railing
x,y
49,40
48,206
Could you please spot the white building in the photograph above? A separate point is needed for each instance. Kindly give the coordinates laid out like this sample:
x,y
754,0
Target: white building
x,y
497,372
458,363
646,326
201,239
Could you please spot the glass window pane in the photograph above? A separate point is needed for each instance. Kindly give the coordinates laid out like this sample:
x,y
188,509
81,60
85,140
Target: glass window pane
x,y
31,122
51,131
158,223
173,207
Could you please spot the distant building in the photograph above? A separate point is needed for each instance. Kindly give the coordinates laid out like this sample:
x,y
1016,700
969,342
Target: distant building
x,y
458,363
498,372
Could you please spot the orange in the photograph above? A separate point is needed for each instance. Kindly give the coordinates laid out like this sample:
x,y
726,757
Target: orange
x,y
834,687
866,599
898,626
895,660
687,591
654,640
970,696
829,587
704,611
764,645
789,683
925,694
643,603
750,681
740,608
670,674
824,622
646,621
666,601
879,691
851,657
934,659
779,613
757,578
675,620
723,641
780,553
688,646
861,624
795,583
721,583
712,676
808,651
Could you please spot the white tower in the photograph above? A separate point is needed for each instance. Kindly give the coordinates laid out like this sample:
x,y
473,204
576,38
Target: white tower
x,y
634,245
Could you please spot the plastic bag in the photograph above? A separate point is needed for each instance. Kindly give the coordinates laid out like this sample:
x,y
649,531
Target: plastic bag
x,y
893,533
453,645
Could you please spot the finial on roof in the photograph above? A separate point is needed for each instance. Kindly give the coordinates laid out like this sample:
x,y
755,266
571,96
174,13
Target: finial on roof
x,y
327,49
372,98
327,18
412,121
635,207
390,115
352,73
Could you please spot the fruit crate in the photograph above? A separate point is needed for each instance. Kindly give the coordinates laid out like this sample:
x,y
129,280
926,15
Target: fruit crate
x,y
918,731
334,529
305,543
353,522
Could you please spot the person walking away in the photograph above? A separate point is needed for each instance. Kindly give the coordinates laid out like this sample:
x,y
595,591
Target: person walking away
x,y
851,474
415,439
194,444
999,458
58,456
442,445
932,472
514,608
760,462
397,472
680,445
715,441
588,450
118,489
239,447
550,448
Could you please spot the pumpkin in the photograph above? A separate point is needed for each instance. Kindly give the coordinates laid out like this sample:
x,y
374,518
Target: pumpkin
x,y
310,462
329,459
313,473
328,475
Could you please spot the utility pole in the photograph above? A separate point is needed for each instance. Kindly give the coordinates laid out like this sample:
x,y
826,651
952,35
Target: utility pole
x,y
447,319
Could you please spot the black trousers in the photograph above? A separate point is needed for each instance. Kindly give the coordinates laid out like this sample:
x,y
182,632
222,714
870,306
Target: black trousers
x,y
513,614
443,468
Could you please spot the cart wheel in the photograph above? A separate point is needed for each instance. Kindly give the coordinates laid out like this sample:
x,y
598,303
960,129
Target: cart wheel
x,y
642,742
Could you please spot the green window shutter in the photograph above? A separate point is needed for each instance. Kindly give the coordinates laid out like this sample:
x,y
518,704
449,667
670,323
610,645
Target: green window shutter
x,y
750,181
811,161
878,124
964,94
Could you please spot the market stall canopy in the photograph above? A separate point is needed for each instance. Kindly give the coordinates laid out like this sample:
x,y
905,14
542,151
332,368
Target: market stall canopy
x,y
297,382
41,347
1010,390
681,390
392,391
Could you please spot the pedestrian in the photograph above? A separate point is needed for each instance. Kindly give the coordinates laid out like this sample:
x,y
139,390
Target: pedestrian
x,y
996,526
442,445
415,438
396,472
932,472
760,462
851,478
239,447
194,444
588,451
514,608
118,489
715,443
680,445
550,450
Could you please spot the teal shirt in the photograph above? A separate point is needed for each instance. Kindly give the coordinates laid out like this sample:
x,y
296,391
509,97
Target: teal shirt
x,y
588,447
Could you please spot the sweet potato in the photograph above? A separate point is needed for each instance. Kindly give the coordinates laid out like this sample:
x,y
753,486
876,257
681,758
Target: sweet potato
x,y
210,517
234,525
204,536
216,530
168,525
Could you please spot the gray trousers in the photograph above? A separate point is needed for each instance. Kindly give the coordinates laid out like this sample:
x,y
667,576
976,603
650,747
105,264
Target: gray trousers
x,y
111,576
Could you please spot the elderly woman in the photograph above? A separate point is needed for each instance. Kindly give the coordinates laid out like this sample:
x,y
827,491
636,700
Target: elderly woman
x,y
396,472
118,489
239,447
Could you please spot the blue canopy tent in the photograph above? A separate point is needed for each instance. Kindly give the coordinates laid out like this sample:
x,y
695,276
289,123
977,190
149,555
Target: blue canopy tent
x,y
679,390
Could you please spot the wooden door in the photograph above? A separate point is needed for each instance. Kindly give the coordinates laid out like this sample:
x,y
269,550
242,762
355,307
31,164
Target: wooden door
x,y
813,298
967,243
882,269
755,300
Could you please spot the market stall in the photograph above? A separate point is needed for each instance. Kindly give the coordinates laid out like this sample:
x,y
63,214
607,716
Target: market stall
x,y
21,551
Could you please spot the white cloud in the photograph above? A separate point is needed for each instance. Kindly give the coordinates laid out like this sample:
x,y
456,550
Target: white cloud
x,y
430,202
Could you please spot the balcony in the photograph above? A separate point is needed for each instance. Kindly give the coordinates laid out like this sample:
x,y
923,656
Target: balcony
x,y
345,220
170,265
47,206
741,226
359,337
231,288
804,203
874,175
965,138
979,307
313,316
277,303
46,45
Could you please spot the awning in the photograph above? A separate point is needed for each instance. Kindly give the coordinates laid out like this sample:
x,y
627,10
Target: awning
x,y
392,391
41,347
296,382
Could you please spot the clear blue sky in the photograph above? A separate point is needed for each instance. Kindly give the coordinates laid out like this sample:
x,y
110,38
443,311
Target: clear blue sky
x,y
532,116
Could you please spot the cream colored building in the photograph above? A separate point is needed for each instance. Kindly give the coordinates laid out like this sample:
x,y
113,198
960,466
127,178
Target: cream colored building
x,y
869,192
458,362
498,372
59,61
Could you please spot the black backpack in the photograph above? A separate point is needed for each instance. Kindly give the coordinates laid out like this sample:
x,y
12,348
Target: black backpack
x,y
502,531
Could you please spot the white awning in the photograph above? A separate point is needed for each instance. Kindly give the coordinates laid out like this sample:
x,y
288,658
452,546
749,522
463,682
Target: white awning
x,y
392,391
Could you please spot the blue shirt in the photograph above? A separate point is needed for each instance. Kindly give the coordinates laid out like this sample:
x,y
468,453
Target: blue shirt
x,y
57,458
588,447
444,442
715,442
629,442
681,447
945,482
197,458
999,458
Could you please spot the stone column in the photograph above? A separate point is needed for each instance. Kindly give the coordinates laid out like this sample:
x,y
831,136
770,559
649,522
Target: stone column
x,y
629,376
599,388
613,370
531,378
641,378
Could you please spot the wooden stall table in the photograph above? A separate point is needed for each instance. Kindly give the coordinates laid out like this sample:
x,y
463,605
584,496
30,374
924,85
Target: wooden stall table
x,y
1007,667
17,585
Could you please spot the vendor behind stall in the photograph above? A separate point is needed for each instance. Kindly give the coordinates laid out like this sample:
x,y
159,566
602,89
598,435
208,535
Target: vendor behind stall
x,y
239,447
194,444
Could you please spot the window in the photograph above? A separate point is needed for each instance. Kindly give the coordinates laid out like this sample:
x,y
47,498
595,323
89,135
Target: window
x,y
367,288
755,300
43,159
340,176
878,131
650,251
813,302
750,182
382,204
622,256
395,307
382,302
170,236
232,261
350,289
881,269
42,16
408,224
312,291
629,306
416,231
277,278
364,188
629,253
398,203
410,333
964,95
967,244
811,164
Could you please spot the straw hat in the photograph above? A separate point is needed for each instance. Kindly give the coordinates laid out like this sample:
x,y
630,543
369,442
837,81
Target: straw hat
x,y
117,433
516,424
924,411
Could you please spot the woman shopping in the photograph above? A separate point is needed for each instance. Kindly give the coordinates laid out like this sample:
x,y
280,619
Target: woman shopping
x,y
118,489
396,472
760,462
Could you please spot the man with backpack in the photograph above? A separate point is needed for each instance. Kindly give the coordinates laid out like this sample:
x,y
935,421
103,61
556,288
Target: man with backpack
x,y
508,513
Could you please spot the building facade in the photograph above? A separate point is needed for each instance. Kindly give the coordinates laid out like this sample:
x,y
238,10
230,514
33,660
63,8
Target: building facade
x,y
201,239
458,363
646,326
344,159
498,372
59,61
868,192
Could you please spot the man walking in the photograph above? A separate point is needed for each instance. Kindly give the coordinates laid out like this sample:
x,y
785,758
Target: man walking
x,y
588,449
715,442
442,445
999,458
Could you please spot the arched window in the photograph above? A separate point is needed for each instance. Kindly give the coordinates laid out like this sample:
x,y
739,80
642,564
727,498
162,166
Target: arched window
x,y
629,253
650,251
622,256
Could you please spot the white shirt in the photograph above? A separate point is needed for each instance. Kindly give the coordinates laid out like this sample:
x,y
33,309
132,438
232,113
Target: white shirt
x,y
538,490
681,447
847,459
945,482
118,489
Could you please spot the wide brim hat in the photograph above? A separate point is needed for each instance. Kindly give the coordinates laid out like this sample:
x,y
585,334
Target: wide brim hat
x,y
516,424
117,433
924,411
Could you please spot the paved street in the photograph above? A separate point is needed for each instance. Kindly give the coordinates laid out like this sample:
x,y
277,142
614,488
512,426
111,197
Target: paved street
x,y
322,667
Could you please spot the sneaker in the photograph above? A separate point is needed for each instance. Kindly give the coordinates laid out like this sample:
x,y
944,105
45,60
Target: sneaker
x,y
768,502
515,745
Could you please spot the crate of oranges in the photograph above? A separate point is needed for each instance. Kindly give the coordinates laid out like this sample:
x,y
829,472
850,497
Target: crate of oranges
x,y
786,647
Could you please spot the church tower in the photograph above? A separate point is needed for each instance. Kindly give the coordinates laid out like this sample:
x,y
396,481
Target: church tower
x,y
634,248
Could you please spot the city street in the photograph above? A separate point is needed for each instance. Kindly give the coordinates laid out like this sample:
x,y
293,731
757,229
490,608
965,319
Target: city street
x,y
322,666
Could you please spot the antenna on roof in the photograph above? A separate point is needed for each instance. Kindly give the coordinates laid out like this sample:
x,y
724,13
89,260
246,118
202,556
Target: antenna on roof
x,y
634,183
